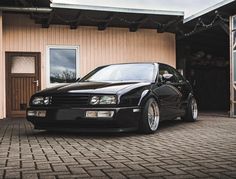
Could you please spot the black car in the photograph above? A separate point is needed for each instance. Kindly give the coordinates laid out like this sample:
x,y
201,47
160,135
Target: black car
x,y
119,97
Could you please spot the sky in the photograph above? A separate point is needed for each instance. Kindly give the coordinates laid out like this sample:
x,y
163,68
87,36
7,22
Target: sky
x,y
190,7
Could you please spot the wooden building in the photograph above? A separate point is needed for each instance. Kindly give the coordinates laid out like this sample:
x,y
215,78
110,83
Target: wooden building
x,y
44,43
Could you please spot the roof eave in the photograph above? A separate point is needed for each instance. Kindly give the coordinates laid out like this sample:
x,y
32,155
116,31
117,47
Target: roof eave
x,y
116,9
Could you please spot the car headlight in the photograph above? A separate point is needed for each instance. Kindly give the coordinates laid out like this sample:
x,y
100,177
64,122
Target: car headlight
x,y
107,100
41,100
94,100
103,100
46,100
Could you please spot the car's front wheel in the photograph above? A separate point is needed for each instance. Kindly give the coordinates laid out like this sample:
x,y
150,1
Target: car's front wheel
x,y
150,117
191,113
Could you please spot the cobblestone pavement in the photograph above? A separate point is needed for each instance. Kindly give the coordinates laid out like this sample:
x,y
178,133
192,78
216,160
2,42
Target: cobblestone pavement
x,y
204,149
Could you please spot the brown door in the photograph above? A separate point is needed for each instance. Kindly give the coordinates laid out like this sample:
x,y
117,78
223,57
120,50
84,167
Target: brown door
x,y
22,81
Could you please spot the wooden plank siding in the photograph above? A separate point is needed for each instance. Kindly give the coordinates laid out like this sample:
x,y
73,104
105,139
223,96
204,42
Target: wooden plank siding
x,y
23,86
114,45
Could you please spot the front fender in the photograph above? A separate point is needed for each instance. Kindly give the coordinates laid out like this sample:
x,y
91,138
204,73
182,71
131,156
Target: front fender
x,y
146,94
134,97
143,95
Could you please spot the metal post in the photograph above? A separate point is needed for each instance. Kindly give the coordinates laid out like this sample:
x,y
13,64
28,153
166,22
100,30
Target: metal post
x,y
232,70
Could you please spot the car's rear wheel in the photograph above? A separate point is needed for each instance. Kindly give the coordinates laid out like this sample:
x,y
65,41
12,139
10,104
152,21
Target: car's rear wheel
x,y
150,117
191,111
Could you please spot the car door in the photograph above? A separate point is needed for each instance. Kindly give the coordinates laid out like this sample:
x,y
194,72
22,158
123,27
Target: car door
x,y
168,92
184,87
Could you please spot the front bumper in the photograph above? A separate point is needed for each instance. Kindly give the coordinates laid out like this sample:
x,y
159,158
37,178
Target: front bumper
x,y
74,119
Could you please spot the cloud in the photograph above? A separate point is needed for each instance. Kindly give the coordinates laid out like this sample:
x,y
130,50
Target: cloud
x,y
62,60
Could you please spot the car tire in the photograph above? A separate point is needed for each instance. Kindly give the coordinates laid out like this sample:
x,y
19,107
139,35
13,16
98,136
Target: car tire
x,y
191,113
150,117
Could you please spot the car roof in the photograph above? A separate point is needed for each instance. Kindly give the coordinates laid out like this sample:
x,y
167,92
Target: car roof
x,y
154,63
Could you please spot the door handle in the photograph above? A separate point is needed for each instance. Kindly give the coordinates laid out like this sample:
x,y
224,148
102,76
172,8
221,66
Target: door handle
x,y
36,82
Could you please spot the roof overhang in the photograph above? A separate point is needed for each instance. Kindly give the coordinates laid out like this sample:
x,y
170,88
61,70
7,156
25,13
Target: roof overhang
x,y
73,4
104,16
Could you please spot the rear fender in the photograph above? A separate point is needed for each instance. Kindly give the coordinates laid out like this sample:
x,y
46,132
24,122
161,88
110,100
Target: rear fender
x,y
190,96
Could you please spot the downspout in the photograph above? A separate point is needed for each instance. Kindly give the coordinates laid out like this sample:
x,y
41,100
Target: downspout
x,y
26,9
2,71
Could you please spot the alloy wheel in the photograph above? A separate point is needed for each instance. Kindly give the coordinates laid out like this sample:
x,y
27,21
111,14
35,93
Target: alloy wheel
x,y
194,109
153,115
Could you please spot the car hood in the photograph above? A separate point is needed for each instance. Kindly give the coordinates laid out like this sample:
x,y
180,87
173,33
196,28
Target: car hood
x,y
95,88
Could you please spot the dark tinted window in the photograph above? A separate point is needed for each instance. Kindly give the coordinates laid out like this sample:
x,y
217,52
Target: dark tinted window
x,y
165,69
177,75
234,23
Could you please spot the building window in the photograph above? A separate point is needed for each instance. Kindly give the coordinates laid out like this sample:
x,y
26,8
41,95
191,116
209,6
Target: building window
x,y
234,45
234,33
233,62
234,23
63,64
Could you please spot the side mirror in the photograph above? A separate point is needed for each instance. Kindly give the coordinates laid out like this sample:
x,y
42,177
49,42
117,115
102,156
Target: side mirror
x,y
167,77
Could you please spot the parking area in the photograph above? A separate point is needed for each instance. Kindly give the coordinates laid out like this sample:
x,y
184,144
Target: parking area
x,y
204,149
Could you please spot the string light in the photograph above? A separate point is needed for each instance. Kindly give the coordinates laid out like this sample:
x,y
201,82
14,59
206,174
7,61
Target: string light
x,y
65,20
130,22
97,20
124,20
201,23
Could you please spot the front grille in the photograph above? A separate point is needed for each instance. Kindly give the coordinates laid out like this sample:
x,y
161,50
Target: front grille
x,y
70,101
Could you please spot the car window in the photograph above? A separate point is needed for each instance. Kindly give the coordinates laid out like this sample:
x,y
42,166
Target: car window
x,y
164,69
122,72
177,75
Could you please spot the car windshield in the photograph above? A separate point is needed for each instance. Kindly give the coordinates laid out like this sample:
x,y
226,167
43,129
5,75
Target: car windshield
x,y
122,72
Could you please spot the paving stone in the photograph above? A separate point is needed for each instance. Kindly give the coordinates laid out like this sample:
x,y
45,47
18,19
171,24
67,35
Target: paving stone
x,y
157,174
135,176
43,166
29,164
1,173
59,168
12,174
96,173
179,177
220,175
198,173
155,169
176,171
203,149
100,163
116,175
77,170
47,176
78,176
30,176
